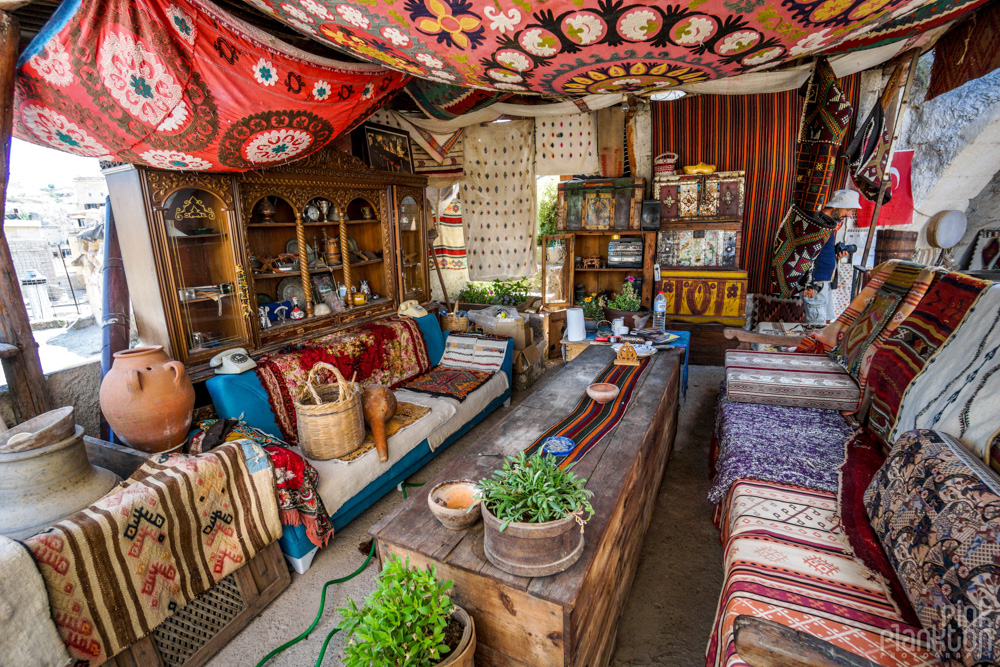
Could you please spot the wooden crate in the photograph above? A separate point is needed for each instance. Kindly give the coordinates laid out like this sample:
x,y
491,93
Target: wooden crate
x,y
570,618
200,629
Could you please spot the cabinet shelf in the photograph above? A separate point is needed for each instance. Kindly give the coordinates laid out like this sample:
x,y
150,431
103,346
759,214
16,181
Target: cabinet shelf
x,y
279,274
320,224
361,222
269,225
367,262
195,237
611,270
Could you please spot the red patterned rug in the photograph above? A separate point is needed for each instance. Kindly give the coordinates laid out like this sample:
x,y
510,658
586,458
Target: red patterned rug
x,y
455,383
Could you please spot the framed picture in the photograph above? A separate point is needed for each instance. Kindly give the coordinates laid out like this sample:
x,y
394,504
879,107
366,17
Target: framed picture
x,y
384,148
322,286
598,210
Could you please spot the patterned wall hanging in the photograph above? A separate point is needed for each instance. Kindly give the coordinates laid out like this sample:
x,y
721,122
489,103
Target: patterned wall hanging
x,y
578,47
178,84
752,133
566,145
826,117
498,200
449,246
798,243
438,156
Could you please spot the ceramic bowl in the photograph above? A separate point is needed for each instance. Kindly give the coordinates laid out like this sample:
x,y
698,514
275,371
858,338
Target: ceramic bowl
x,y
602,392
455,503
558,446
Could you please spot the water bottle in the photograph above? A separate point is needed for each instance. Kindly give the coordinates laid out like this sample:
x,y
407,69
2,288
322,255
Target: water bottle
x,y
660,312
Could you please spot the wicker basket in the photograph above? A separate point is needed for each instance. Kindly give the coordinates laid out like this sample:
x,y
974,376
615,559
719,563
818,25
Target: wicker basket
x,y
453,322
665,163
330,419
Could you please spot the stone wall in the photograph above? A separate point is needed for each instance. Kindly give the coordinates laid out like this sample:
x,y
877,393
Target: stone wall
x,y
983,212
78,386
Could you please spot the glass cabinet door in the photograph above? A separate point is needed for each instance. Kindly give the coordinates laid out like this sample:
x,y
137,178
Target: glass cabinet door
x,y
557,270
196,227
412,248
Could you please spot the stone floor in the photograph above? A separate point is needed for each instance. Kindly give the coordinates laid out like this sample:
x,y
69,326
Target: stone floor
x,y
669,612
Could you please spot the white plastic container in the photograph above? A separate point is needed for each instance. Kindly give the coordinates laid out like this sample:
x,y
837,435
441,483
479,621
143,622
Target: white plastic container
x,y
575,329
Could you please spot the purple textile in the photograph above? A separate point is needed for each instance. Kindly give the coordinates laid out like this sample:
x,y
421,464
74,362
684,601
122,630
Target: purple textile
x,y
774,443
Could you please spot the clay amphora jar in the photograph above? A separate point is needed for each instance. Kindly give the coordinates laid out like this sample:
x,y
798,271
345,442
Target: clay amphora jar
x,y
147,398
379,405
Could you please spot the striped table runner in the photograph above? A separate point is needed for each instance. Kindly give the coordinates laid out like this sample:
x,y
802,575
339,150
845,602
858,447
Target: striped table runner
x,y
591,421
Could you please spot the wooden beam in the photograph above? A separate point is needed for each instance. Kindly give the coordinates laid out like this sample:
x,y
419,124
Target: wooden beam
x,y
764,643
25,379
115,303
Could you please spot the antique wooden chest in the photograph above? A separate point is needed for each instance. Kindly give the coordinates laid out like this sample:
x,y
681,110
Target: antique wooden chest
x,y
600,204
705,296
717,196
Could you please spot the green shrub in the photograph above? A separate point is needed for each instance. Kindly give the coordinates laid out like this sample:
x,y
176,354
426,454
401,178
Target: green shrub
x,y
402,623
534,490
593,306
627,299
508,292
547,207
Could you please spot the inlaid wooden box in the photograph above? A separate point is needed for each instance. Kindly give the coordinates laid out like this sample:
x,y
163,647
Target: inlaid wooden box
x,y
600,204
686,197
705,296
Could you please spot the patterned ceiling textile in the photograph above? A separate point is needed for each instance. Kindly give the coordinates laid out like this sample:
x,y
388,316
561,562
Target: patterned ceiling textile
x,y
826,118
904,25
117,569
386,352
577,47
753,133
449,246
445,102
776,443
917,338
827,338
498,200
958,390
178,84
966,52
893,301
799,241
566,145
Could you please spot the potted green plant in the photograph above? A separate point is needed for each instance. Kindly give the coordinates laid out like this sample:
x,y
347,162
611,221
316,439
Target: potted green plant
x,y
626,304
408,620
533,515
593,310
500,292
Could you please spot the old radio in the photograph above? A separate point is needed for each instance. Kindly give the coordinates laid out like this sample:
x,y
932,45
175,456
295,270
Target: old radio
x,y
625,253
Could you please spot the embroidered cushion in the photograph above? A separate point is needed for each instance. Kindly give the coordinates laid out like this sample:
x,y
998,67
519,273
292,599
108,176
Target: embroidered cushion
x,y
790,378
936,510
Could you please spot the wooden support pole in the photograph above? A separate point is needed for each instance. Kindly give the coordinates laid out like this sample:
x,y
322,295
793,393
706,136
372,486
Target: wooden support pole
x,y
24,369
115,313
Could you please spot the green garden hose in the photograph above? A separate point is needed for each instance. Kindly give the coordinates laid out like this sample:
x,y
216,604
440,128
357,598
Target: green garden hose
x,y
322,601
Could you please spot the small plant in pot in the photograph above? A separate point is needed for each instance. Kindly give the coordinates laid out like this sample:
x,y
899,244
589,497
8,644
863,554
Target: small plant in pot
x,y
593,310
533,515
626,304
408,620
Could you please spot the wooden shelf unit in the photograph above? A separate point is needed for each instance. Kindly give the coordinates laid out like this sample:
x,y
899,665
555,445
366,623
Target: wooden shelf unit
x,y
559,279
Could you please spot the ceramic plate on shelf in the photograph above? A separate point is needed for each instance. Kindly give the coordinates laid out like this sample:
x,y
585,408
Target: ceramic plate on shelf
x,y
291,287
640,350
292,248
558,446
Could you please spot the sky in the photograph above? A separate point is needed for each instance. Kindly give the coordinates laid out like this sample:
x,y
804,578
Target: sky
x,y
36,167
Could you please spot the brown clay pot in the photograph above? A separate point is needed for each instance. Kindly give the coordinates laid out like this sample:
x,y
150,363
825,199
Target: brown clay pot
x,y
147,399
379,405
464,654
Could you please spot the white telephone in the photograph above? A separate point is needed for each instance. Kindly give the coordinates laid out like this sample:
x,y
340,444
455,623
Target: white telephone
x,y
232,362
411,308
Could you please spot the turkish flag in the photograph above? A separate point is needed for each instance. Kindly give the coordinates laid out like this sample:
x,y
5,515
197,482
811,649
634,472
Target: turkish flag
x,y
899,210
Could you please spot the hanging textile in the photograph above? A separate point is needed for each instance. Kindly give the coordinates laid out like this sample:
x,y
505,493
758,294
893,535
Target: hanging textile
x,y
752,133
566,145
899,209
580,47
826,118
611,141
968,51
437,156
445,102
178,84
798,243
498,200
449,246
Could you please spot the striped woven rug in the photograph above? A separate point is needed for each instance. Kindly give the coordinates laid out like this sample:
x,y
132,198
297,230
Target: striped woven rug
x,y
591,421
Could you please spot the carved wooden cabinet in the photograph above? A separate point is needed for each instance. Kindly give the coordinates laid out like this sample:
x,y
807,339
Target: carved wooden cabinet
x,y
717,196
216,261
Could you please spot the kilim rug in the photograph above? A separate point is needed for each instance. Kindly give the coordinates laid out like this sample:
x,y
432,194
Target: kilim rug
x,y
825,120
445,102
406,415
117,569
753,133
827,338
481,352
387,352
27,634
449,246
917,338
868,154
968,51
455,383
893,301
590,421
800,239
958,390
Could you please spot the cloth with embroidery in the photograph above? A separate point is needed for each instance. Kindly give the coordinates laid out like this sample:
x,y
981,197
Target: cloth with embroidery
x,y
296,478
455,383
117,569
798,243
183,85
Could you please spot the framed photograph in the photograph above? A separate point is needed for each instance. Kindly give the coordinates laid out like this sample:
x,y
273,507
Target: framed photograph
x,y
598,210
384,148
322,286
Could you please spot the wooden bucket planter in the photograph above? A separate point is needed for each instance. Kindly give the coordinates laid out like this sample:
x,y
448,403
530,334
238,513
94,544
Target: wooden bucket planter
x,y
464,653
532,549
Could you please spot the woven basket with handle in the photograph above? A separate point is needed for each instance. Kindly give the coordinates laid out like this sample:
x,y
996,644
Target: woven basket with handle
x,y
330,420
452,322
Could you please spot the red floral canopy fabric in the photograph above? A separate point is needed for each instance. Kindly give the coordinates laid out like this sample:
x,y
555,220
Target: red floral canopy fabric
x,y
580,47
178,84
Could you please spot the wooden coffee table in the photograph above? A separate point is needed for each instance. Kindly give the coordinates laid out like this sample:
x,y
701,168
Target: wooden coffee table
x,y
570,618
